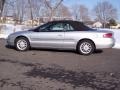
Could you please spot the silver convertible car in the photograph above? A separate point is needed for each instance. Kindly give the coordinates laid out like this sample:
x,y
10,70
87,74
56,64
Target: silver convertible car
x,y
65,34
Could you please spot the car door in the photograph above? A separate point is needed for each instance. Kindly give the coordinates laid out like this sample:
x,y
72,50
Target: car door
x,y
70,34
51,37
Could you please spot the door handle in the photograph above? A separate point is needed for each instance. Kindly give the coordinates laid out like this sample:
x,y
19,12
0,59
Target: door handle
x,y
59,35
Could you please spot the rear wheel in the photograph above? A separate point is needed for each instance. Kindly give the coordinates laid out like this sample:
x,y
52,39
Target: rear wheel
x,y
22,44
85,47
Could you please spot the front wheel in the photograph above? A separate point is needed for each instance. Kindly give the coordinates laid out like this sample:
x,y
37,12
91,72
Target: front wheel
x,y
22,44
85,47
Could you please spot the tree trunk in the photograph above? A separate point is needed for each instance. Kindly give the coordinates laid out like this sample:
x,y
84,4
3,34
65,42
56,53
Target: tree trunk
x,y
52,13
2,2
31,13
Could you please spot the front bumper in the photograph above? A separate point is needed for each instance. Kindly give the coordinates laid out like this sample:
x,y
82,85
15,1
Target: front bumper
x,y
10,42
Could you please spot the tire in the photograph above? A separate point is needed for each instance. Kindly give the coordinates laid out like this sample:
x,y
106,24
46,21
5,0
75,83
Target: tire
x,y
22,44
85,47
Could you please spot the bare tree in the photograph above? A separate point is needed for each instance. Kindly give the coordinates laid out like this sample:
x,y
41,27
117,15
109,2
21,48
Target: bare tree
x,y
52,5
80,13
38,6
31,10
20,10
63,11
2,2
15,8
105,11
75,12
35,8
84,13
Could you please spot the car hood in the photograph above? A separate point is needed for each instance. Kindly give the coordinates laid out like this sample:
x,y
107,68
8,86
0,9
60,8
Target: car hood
x,y
21,32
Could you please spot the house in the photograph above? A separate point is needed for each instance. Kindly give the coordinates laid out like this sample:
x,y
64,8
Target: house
x,y
47,19
8,19
89,23
115,27
41,20
97,25
30,22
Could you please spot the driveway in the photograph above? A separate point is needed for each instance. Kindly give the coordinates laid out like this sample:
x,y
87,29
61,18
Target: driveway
x,y
58,70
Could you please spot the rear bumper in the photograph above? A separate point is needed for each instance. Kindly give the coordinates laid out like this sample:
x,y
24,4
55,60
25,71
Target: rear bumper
x,y
105,43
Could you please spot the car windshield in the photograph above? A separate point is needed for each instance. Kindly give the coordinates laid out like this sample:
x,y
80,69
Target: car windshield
x,y
41,27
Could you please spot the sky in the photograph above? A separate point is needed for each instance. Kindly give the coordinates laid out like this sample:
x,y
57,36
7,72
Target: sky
x,y
91,3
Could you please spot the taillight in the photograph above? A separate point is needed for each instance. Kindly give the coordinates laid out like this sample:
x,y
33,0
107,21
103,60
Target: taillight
x,y
107,35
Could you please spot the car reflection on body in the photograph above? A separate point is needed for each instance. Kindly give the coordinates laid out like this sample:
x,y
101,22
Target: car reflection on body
x,y
64,34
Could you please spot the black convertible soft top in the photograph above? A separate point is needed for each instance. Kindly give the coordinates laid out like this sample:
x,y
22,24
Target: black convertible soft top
x,y
78,26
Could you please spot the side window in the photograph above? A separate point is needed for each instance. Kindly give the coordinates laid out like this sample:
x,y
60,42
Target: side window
x,y
56,27
68,27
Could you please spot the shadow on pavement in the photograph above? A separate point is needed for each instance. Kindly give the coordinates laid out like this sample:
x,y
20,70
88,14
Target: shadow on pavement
x,y
98,51
9,47
76,79
97,81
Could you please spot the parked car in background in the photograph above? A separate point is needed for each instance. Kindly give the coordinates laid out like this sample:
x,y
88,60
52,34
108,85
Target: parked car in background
x,y
65,34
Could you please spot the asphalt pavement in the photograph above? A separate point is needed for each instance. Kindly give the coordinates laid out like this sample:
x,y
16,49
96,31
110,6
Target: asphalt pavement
x,y
45,69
